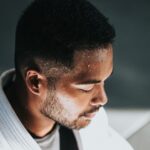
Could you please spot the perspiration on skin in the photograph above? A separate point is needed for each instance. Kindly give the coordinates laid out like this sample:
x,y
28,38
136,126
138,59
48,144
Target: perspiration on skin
x,y
81,91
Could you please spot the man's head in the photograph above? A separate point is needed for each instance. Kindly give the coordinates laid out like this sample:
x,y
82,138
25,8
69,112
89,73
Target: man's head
x,y
64,55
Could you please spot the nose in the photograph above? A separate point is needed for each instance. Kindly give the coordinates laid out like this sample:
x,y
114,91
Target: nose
x,y
100,97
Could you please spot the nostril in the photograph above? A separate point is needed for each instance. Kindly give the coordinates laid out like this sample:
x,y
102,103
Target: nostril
x,y
98,101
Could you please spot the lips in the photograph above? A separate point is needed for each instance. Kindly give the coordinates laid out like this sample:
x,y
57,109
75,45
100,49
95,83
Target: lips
x,y
90,115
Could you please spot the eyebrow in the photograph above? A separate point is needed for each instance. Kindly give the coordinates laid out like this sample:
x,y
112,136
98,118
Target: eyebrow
x,y
94,81
90,82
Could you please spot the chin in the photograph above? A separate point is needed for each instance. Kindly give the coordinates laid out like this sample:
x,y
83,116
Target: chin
x,y
81,123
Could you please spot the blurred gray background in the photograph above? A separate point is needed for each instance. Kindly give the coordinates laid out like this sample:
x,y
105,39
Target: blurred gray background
x,y
129,86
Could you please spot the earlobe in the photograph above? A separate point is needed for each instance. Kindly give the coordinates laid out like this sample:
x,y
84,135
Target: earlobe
x,y
34,82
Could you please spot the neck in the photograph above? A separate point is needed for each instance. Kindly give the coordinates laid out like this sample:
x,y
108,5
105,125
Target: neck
x,y
28,110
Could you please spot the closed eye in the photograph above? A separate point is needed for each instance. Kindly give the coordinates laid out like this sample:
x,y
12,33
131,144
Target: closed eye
x,y
84,87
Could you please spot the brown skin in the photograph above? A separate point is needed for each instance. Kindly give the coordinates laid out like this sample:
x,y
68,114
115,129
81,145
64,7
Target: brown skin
x,y
77,96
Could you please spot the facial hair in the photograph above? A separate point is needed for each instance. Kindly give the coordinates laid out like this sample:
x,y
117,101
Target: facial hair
x,y
54,109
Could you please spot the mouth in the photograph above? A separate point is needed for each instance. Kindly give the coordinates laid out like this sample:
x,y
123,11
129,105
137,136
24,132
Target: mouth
x,y
91,114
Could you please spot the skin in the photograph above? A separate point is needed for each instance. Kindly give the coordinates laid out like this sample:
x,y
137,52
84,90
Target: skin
x,y
74,100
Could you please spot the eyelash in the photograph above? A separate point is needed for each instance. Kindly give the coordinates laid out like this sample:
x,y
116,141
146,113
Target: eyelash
x,y
86,91
84,88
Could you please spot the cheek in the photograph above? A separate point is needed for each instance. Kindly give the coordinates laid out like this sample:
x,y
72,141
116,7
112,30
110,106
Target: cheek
x,y
81,98
74,102
68,102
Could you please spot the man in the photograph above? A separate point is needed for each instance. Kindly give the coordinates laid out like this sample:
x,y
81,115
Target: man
x,y
63,56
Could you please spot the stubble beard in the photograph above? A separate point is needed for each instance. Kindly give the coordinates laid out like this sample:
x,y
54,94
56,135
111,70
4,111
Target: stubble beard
x,y
54,110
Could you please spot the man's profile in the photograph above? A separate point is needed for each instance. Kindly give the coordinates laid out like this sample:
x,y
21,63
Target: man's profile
x,y
63,56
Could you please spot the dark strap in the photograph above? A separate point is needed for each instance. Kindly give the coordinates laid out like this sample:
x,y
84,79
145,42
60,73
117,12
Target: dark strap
x,y
67,139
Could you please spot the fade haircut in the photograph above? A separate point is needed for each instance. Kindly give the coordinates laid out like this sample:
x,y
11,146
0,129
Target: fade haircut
x,y
50,31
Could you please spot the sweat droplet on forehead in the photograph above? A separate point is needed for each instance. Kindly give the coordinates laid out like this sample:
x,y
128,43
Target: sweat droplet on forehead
x,y
91,55
92,64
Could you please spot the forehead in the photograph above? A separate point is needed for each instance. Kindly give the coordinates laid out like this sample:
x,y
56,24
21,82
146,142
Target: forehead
x,y
93,63
87,56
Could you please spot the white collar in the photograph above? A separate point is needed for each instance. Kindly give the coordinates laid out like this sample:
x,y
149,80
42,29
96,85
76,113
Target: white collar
x,y
11,127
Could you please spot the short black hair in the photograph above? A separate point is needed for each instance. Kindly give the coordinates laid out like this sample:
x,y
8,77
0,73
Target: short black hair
x,y
54,29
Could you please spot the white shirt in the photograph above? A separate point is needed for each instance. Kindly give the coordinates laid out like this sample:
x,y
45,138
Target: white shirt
x,y
100,136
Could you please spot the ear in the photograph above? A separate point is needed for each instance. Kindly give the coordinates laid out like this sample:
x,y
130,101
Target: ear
x,y
36,82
